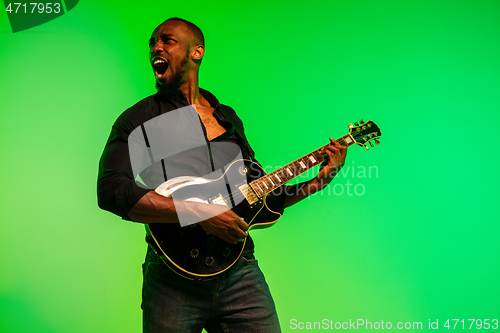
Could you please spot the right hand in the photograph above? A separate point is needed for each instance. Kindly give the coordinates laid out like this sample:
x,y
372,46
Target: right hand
x,y
223,223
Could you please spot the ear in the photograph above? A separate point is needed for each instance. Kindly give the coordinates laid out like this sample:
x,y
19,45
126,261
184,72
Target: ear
x,y
198,53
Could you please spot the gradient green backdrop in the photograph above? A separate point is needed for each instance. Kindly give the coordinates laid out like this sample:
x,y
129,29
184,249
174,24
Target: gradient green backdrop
x,y
421,242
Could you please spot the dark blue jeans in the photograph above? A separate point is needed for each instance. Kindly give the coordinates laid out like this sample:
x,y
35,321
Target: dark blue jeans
x,y
236,301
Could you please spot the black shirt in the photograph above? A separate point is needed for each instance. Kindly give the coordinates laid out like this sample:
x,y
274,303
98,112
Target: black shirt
x,y
117,188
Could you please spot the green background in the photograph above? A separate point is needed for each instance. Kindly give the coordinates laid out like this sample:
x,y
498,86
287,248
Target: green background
x,y
421,242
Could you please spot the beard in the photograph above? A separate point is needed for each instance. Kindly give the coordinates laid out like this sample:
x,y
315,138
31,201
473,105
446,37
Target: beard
x,y
168,88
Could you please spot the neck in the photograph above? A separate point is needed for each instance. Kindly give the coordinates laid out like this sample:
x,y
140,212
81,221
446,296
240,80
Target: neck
x,y
190,89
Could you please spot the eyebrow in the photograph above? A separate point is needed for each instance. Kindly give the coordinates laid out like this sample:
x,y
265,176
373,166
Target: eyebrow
x,y
162,36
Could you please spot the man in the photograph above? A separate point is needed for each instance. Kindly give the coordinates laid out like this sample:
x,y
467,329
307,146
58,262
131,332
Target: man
x,y
237,300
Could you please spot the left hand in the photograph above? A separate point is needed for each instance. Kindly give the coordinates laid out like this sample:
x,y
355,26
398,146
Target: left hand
x,y
336,159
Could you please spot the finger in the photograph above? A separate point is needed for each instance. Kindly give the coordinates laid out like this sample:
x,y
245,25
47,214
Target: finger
x,y
331,151
334,143
337,152
237,239
344,152
230,240
337,145
229,237
330,147
240,234
242,224
331,158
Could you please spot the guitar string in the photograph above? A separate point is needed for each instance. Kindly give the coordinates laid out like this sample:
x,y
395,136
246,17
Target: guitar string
x,y
296,172
293,165
284,180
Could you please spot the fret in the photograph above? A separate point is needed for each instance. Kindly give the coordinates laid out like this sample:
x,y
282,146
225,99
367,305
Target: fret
x,y
348,140
286,173
258,186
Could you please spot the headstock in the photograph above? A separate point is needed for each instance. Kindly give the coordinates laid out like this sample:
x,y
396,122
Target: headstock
x,y
364,133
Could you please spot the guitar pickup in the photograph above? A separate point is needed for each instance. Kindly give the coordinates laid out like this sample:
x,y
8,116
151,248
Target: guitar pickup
x,y
248,194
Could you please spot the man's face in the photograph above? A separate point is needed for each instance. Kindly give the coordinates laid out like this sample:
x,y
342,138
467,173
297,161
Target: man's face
x,y
170,47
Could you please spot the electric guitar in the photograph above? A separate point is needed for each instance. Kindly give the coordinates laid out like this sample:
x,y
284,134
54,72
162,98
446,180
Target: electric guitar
x,y
194,254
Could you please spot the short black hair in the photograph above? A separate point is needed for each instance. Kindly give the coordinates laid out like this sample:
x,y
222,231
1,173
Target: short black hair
x,y
193,28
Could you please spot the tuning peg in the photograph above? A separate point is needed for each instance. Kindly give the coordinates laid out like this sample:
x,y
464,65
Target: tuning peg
x,y
366,147
356,124
350,125
377,142
361,122
371,144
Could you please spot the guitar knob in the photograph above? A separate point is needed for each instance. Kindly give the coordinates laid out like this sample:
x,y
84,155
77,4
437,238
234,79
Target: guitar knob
x,y
226,252
350,125
243,170
356,124
366,147
194,253
371,144
377,142
211,241
361,122
209,261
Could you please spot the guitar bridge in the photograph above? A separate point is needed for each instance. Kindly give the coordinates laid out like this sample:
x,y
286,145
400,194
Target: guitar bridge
x,y
248,193
219,201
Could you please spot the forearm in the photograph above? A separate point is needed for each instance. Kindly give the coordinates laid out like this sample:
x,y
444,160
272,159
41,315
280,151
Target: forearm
x,y
298,192
215,219
155,208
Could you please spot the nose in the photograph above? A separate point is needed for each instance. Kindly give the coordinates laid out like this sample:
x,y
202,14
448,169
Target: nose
x,y
157,46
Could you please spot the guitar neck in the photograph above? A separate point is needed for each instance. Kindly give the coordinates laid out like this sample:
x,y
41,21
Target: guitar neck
x,y
281,176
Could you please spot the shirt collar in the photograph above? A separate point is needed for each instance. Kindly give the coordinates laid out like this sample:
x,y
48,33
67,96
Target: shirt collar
x,y
214,102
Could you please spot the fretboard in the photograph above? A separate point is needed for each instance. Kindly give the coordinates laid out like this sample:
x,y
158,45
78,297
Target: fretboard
x,y
281,176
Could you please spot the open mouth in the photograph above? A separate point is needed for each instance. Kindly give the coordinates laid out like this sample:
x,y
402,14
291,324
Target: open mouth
x,y
160,66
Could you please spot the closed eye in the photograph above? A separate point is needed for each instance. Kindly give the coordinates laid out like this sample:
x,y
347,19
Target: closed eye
x,y
165,40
